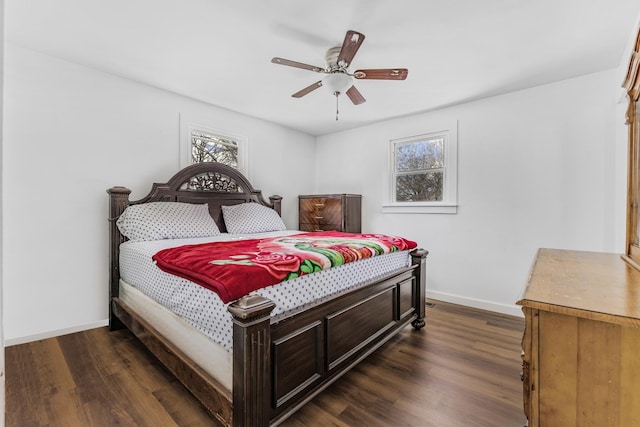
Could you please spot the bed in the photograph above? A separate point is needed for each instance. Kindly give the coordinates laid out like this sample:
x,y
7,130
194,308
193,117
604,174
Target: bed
x,y
279,358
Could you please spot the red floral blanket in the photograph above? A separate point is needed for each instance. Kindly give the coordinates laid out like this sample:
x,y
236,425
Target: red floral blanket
x,y
235,268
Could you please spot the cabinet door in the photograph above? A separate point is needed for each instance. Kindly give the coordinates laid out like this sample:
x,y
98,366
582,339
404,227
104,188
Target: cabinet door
x,y
632,86
587,372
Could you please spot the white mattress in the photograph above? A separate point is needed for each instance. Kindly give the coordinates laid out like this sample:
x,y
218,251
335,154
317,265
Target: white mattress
x,y
208,354
202,309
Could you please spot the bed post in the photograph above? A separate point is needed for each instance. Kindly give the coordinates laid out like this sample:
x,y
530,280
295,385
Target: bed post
x,y
419,258
251,361
118,202
276,201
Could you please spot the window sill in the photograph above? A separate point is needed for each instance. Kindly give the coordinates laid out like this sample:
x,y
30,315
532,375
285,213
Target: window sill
x,y
417,208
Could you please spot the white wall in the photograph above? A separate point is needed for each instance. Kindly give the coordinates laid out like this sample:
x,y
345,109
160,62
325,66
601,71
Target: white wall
x,y
2,376
71,132
536,168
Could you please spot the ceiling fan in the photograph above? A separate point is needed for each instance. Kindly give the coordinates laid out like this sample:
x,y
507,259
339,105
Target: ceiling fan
x,y
338,78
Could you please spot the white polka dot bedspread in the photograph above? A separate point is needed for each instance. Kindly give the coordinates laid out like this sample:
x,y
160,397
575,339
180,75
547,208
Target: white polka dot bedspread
x,y
202,308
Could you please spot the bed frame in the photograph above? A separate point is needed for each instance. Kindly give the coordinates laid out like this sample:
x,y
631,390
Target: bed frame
x,y
279,362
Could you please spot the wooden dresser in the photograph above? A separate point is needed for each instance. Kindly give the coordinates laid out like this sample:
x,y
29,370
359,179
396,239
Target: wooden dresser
x,y
581,345
321,212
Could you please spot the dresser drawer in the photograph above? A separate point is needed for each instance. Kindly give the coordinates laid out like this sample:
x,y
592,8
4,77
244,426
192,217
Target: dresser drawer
x,y
321,211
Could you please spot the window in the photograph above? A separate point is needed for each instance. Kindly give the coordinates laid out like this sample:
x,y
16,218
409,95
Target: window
x,y
423,173
208,147
419,170
202,143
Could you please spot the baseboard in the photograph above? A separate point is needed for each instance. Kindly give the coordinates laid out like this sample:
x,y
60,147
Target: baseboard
x,y
512,310
56,333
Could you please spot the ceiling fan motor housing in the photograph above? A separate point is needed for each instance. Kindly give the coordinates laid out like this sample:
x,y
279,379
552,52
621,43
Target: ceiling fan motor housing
x,y
331,59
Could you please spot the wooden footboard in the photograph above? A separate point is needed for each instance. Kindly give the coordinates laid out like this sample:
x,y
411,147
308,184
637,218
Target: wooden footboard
x,y
283,362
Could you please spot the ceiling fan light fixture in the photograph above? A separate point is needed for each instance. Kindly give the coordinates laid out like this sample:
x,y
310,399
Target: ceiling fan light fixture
x,y
337,82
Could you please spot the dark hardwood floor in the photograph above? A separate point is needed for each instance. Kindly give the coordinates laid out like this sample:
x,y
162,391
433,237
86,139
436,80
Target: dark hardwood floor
x,y
462,369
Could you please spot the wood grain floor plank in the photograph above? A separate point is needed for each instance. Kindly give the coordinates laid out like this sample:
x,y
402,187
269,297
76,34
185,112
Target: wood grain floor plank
x,y
318,412
461,370
60,413
197,417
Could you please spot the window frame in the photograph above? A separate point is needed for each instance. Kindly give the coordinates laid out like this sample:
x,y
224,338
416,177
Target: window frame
x,y
189,124
449,202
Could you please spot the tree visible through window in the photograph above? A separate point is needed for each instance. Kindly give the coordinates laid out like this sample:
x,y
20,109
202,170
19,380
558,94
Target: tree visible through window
x,y
419,170
207,147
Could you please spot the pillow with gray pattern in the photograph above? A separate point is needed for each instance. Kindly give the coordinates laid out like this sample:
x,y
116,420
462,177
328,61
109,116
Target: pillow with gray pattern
x,y
166,220
247,218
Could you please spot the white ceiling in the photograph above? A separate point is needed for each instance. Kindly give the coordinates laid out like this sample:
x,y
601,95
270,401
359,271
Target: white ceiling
x,y
219,51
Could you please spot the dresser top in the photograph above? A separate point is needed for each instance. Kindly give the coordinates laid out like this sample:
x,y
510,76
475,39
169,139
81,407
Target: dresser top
x,y
327,196
587,284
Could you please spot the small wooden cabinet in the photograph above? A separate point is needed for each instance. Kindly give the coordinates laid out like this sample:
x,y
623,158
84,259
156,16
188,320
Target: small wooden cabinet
x,y
581,345
323,212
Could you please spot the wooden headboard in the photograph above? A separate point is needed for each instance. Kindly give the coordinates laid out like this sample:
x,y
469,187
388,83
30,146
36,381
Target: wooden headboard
x,y
212,183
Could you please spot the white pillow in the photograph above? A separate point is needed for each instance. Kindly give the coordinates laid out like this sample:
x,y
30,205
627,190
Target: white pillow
x,y
245,218
166,220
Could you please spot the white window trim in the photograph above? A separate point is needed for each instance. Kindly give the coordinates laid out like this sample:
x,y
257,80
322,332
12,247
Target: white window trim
x,y
188,124
449,203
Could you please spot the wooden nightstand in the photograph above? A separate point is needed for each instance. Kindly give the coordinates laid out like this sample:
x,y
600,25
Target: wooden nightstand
x,y
321,212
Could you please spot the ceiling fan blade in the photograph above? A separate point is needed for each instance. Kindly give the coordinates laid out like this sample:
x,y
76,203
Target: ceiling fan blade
x,y
350,46
382,74
355,96
307,89
295,64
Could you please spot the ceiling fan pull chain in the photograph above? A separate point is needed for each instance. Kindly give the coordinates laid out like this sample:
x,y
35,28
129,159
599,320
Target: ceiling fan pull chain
x,y
337,93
